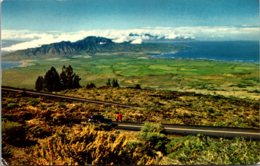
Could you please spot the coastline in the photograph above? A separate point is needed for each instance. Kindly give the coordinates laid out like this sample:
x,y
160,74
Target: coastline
x,y
14,64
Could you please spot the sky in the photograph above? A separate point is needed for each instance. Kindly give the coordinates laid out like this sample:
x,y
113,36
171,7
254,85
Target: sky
x,y
54,20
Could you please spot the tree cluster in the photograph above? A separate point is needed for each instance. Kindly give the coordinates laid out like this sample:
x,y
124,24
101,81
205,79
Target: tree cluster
x,y
90,85
113,84
53,81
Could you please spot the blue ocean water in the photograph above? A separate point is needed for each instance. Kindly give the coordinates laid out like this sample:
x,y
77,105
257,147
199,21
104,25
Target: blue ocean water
x,y
9,64
244,51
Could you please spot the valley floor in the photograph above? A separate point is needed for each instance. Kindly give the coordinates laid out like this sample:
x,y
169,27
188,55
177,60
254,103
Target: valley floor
x,y
38,130
202,76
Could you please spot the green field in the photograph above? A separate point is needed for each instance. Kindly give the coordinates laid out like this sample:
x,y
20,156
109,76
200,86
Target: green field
x,y
213,77
49,131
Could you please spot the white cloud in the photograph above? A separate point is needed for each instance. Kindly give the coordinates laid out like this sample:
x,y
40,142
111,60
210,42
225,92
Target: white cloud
x,y
136,41
135,36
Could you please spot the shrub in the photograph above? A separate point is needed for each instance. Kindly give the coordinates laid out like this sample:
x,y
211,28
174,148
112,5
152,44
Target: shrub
x,y
62,105
11,105
211,110
40,131
34,101
91,85
13,133
205,150
6,151
152,127
152,137
154,140
133,144
138,86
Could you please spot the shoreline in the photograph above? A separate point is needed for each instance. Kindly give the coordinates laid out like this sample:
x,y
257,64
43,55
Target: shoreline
x,y
14,64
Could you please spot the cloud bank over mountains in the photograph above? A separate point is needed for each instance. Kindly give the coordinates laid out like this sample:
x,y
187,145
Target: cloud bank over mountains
x,y
30,39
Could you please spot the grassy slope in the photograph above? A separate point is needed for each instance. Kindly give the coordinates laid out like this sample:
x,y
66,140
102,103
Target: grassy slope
x,y
154,106
227,78
47,131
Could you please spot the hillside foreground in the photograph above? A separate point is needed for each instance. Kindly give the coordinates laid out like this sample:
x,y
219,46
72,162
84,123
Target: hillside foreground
x,y
49,131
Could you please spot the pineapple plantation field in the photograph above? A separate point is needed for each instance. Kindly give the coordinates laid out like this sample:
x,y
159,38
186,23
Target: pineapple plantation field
x,y
38,130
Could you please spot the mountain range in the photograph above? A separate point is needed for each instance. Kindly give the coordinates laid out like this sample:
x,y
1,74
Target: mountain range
x,y
90,46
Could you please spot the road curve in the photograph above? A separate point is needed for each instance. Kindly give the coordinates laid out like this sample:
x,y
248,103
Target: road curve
x,y
36,93
225,132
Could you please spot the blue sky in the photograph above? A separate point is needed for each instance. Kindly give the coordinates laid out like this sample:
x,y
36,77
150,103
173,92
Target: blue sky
x,y
38,22
73,15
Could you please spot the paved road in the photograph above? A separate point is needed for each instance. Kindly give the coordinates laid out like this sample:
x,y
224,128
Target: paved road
x,y
204,130
31,92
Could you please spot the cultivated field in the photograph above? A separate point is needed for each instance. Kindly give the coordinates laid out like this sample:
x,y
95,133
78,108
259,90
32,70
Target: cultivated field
x,y
202,76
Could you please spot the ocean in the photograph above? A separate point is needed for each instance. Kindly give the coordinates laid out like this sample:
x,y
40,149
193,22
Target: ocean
x,y
9,64
242,51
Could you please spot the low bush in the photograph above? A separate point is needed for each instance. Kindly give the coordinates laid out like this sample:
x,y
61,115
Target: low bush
x,y
152,136
91,85
34,101
154,140
205,150
11,105
13,133
152,127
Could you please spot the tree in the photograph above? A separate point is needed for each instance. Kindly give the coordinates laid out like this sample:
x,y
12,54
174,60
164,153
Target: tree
x,y
39,84
52,80
75,82
69,80
115,83
67,77
108,82
91,85
138,86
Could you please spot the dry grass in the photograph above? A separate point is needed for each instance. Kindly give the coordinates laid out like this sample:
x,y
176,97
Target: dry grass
x,y
51,132
84,145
